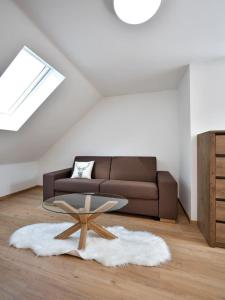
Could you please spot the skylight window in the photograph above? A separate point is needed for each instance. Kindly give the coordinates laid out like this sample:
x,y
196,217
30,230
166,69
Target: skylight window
x,y
24,86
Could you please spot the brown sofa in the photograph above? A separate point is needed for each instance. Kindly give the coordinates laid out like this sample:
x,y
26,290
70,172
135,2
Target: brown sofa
x,y
149,192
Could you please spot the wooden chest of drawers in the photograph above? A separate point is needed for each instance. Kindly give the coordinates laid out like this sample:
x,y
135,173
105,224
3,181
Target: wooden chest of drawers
x,y
211,187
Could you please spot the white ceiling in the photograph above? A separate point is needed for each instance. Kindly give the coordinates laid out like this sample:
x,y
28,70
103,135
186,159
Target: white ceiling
x,y
121,59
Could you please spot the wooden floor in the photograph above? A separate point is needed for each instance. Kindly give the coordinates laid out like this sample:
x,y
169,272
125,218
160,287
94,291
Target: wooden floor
x,y
195,272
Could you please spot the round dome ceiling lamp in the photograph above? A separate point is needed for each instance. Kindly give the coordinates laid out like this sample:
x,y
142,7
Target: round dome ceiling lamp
x,y
136,11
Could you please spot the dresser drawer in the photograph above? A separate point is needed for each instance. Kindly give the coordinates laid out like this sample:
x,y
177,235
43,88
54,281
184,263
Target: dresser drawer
x,y
220,232
220,211
220,144
220,166
220,188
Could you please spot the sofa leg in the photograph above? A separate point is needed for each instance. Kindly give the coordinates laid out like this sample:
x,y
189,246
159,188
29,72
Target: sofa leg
x,y
168,220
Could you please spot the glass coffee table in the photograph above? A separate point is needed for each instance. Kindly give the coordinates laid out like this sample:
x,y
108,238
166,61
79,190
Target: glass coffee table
x,y
84,208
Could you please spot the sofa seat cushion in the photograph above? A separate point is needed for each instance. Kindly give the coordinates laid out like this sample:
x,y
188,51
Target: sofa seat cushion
x,y
130,189
75,185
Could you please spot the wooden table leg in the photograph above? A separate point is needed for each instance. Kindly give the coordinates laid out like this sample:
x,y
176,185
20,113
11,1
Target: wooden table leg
x,y
65,234
83,236
83,232
85,220
101,231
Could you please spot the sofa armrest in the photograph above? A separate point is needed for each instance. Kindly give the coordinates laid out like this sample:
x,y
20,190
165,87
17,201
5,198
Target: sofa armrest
x,y
167,195
49,179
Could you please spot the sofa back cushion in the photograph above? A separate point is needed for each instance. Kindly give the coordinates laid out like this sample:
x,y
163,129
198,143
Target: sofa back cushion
x,y
133,168
101,168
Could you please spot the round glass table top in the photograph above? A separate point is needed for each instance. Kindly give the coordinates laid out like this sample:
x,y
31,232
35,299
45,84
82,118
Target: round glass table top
x,y
84,203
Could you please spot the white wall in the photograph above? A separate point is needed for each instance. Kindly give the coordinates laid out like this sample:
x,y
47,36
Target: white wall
x,y
208,96
207,86
142,124
16,177
185,155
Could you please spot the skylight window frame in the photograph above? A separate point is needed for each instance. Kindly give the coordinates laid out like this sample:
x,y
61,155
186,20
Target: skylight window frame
x,y
28,90
37,91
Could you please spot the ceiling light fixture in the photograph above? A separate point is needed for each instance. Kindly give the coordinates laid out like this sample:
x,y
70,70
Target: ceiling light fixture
x,y
136,11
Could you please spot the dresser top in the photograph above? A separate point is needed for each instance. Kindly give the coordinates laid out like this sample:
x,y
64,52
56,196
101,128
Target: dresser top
x,y
213,131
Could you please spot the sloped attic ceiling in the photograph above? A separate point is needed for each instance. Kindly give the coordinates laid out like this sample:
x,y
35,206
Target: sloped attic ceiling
x,y
123,59
116,57
62,109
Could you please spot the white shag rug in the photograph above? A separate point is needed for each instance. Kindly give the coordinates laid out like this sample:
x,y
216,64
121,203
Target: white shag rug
x,y
131,247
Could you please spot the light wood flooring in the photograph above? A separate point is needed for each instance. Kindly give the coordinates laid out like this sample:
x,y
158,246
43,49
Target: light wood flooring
x,y
195,272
